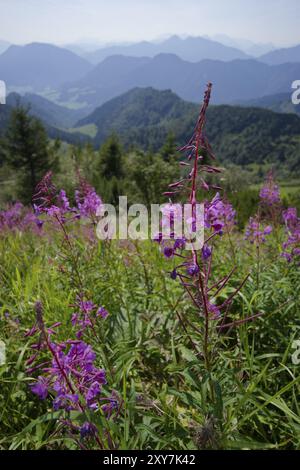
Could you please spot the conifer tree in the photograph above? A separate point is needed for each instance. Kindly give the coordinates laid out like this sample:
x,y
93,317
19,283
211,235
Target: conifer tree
x,y
28,150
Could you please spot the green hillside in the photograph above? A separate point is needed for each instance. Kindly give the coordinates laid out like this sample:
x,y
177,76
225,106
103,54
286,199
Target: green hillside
x,y
145,117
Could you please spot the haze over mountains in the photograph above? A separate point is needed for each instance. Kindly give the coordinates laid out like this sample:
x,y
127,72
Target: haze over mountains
x,y
280,103
192,49
282,56
144,117
233,81
49,112
249,47
67,91
182,65
38,66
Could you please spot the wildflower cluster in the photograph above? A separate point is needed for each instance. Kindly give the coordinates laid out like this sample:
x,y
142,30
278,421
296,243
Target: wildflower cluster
x,y
87,200
17,217
86,315
56,204
255,233
171,221
219,215
70,375
291,247
195,268
269,193
67,372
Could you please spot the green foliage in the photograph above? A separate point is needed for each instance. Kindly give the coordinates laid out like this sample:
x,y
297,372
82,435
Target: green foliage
x,y
239,135
148,176
147,353
27,150
110,158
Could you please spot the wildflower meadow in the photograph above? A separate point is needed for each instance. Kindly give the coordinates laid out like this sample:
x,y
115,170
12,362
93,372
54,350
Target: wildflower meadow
x,y
121,344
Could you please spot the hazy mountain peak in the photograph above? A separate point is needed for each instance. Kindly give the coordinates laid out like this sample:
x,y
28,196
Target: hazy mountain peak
x,y
282,56
39,65
190,48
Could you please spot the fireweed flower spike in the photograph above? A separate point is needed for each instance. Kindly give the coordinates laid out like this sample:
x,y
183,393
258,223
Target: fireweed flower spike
x,y
16,217
55,207
87,200
86,315
270,201
269,193
48,200
256,233
195,269
291,247
69,375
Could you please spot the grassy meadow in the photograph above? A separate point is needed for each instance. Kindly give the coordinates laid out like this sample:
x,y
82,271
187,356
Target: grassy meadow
x,y
147,344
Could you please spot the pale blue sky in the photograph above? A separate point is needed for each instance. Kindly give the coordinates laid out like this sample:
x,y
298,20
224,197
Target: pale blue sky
x,y
65,21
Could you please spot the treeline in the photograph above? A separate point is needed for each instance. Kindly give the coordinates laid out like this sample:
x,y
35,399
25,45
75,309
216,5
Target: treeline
x,y
145,118
143,176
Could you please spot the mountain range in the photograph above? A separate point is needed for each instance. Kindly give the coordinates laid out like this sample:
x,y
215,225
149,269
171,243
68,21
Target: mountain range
x,y
48,119
38,66
280,103
233,81
69,79
49,112
192,49
145,117
241,135
251,48
282,56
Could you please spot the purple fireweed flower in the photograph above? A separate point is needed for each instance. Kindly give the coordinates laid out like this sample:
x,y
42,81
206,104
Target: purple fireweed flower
x,y
268,230
173,274
255,233
86,315
87,200
193,270
168,252
66,401
179,244
291,247
287,256
171,213
86,306
48,200
54,211
219,215
171,220
214,310
269,193
72,373
65,204
40,388
16,217
206,252
102,312
111,406
88,430
290,218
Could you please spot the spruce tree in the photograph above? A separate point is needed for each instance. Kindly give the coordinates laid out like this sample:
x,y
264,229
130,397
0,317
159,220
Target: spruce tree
x,y
28,151
111,162
169,148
